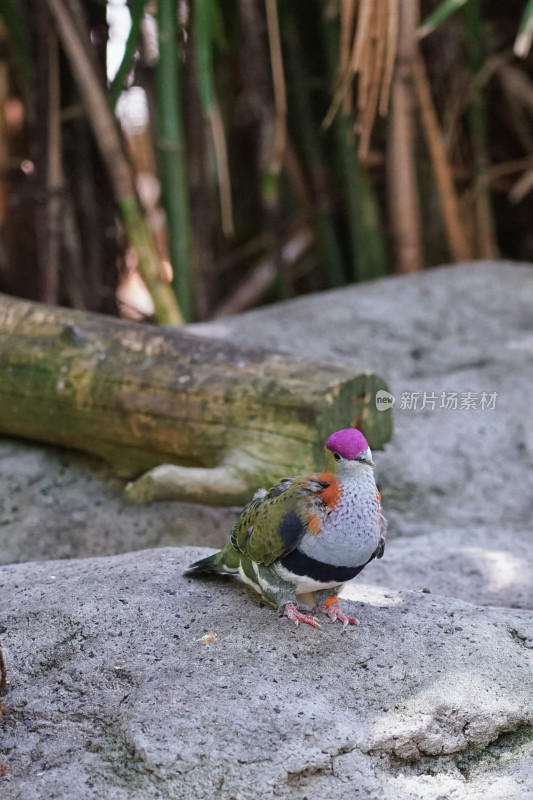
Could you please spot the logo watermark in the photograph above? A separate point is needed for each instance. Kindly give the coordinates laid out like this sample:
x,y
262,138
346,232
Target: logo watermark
x,y
384,400
447,401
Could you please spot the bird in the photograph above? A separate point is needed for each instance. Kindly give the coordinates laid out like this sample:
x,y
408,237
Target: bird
x,y
299,542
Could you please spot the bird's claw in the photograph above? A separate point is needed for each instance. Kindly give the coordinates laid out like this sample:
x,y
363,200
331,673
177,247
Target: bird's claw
x,y
298,616
333,610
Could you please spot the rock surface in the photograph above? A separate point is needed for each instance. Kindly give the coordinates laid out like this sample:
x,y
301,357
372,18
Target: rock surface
x,y
115,692
457,481
59,504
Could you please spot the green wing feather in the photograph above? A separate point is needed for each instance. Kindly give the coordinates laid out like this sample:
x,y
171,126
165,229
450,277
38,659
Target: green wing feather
x,y
269,526
257,532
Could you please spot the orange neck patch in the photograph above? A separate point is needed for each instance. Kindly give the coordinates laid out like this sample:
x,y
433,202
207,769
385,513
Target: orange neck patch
x,y
332,494
314,525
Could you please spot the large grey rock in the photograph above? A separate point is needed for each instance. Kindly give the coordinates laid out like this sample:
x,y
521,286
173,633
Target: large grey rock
x,y
454,329
59,504
482,564
115,692
459,482
457,485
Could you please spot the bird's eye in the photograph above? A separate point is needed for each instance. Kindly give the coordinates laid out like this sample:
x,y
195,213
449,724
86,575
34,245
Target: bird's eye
x,y
336,456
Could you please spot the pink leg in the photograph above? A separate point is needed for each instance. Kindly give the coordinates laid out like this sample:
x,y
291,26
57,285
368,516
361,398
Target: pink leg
x,y
296,616
333,610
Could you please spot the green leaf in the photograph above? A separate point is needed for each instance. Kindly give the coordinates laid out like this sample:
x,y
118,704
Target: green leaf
x,y
524,37
441,13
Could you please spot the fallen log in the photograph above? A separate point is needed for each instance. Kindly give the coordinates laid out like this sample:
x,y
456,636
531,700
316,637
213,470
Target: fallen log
x,y
228,419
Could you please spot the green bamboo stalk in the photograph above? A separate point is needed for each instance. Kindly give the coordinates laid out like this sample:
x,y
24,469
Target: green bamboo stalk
x,y
141,239
308,133
208,28
439,14
524,37
12,19
477,116
172,154
205,19
367,242
119,81
119,170
477,119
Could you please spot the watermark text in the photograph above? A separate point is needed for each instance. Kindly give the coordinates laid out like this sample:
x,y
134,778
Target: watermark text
x,y
447,401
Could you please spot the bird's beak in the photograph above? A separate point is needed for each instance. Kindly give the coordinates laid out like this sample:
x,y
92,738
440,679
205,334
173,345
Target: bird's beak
x,y
366,457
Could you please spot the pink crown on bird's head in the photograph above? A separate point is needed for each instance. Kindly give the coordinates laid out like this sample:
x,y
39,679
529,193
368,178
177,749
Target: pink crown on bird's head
x,y
348,443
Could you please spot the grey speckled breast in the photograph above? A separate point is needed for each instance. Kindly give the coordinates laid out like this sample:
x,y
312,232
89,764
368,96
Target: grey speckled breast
x,y
350,532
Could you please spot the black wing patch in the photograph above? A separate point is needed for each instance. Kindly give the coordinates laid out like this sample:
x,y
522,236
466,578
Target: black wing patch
x,y
291,531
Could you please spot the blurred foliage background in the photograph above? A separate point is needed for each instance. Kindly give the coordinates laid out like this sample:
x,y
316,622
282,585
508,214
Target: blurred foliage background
x,y
188,159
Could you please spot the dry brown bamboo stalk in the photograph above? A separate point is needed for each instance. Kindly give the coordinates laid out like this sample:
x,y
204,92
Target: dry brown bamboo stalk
x,y
457,241
370,56
54,177
369,92
224,177
360,38
278,82
404,206
348,8
388,71
4,92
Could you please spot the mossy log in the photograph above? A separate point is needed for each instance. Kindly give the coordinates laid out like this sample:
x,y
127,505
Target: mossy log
x,y
229,419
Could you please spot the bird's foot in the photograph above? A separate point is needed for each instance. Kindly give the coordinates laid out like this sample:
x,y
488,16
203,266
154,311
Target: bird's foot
x,y
297,616
332,608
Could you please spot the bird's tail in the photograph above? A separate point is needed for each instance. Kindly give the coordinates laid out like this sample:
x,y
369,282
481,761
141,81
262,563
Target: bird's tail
x,y
218,562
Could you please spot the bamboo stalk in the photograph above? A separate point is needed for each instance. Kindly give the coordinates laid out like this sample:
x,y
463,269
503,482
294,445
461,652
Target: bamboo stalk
x,y
204,25
202,200
390,58
313,155
485,227
367,249
456,237
4,147
54,176
172,154
258,99
43,128
524,37
224,176
278,82
137,14
404,206
371,77
444,10
120,173
12,18
347,19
